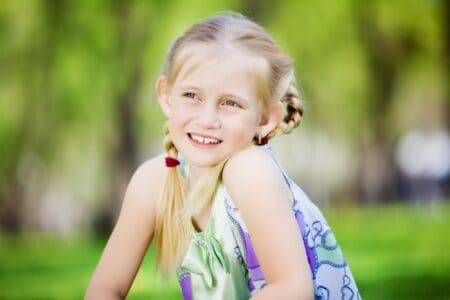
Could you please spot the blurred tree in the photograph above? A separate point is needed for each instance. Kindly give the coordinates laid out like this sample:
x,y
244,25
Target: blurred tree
x,y
73,76
76,78
30,89
392,46
361,66
387,52
132,30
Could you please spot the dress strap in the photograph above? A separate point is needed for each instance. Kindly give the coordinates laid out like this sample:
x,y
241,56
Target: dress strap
x,y
285,176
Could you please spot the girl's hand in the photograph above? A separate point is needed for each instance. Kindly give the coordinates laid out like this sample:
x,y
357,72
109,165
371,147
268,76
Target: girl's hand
x,y
131,236
257,187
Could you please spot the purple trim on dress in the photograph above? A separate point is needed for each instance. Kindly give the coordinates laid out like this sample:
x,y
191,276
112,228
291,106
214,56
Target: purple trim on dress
x,y
309,251
250,285
256,273
252,261
186,286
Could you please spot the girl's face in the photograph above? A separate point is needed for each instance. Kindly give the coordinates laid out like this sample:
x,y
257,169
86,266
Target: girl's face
x,y
212,107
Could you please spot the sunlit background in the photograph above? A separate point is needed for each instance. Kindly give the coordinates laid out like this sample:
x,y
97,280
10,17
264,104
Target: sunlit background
x,y
78,115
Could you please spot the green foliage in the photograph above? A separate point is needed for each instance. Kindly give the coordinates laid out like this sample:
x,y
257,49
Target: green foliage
x,y
78,109
395,252
76,90
328,41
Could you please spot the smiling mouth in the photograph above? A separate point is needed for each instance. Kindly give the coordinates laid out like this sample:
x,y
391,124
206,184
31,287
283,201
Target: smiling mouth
x,y
204,140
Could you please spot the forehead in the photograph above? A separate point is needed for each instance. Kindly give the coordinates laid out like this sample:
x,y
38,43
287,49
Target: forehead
x,y
222,68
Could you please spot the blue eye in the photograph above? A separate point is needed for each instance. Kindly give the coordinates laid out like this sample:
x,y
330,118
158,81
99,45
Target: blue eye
x,y
231,103
190,95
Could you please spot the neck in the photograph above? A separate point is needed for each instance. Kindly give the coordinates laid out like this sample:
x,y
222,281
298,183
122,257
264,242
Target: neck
x,y
195,173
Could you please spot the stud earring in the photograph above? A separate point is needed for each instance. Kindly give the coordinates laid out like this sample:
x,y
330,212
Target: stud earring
x,y
262,140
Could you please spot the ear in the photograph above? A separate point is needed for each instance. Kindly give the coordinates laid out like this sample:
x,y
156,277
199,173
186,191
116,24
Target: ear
x,y
163,93
271,118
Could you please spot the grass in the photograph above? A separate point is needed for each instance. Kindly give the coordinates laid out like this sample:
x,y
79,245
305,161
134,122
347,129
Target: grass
x,y
40,266
395,252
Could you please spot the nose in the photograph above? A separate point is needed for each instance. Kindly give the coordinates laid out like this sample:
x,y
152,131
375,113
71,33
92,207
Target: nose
x,y
208,117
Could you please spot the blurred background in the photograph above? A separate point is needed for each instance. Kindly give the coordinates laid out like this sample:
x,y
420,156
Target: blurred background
x,y
78,115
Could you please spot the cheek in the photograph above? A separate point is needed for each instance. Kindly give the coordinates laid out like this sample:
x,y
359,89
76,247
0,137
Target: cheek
x,y
244,129
178,115
176,124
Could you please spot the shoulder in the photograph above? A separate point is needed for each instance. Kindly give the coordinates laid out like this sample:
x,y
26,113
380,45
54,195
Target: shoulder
x,y
153,168
256,170
252,162
146,182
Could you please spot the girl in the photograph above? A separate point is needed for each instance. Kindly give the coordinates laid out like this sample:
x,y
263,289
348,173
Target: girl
x,y
223,212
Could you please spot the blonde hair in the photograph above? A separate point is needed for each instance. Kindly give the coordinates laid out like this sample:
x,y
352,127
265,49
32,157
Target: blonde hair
x,y
176,208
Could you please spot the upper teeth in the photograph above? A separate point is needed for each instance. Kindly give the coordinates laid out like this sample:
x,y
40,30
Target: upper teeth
x,y
204,140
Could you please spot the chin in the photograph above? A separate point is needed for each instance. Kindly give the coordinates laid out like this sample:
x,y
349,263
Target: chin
x,y
204,164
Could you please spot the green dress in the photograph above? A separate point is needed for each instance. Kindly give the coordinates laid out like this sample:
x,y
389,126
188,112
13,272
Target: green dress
x,y
221,263
209,264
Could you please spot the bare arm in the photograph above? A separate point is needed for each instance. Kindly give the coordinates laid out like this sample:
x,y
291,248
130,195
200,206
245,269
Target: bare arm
x,y
131,236
267,213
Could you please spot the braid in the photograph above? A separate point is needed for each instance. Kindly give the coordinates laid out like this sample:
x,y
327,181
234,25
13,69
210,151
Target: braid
x,y
176,209
294,109
293,115
169,146
172,228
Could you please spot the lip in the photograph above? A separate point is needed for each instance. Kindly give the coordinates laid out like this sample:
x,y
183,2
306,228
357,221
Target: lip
x,y
200,145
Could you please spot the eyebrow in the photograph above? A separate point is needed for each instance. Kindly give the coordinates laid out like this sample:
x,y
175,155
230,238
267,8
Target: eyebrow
x,y
226,94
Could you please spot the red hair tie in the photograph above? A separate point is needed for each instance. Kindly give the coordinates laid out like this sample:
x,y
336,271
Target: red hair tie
x,y
171,162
